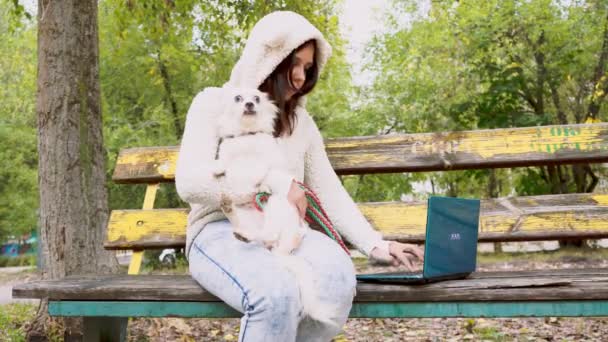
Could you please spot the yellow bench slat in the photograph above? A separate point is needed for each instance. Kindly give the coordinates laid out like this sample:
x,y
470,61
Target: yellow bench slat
x,y
416,152
505,219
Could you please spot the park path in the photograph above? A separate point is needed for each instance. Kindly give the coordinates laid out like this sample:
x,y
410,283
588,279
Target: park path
x,y
6,288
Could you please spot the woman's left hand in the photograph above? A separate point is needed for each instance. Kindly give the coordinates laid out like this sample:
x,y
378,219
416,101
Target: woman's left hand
x,y
399,254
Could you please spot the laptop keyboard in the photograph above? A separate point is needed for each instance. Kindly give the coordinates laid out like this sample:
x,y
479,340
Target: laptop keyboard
x,y
398,273
386,275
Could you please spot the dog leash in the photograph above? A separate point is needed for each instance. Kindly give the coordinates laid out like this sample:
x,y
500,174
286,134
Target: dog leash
x,y
314,213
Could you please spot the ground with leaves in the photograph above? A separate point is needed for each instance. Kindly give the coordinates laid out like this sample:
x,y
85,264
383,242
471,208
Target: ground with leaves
x,y
14,317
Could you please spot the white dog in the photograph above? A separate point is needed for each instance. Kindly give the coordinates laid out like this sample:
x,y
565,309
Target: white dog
x,y
250,160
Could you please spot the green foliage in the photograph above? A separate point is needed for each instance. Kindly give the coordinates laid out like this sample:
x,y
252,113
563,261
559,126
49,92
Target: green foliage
x,y
15,14
21,260
377,188
155,56
461,65
18,156
485,64
13,320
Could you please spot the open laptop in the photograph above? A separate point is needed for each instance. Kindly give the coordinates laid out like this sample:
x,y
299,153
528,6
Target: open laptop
x,y
450,248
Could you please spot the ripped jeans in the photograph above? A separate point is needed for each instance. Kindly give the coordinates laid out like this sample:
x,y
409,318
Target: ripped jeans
x,y
250,279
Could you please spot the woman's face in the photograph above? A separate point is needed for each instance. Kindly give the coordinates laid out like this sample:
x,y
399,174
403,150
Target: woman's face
x,y
304,59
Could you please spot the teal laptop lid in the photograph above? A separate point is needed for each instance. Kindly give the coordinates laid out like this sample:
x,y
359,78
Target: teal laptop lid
x,y
451,236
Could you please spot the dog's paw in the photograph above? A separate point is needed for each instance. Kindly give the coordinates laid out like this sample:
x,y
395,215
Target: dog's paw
x,y
226,204
271,244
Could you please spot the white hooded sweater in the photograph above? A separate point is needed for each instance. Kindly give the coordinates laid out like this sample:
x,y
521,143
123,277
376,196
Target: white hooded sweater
x,y
272,39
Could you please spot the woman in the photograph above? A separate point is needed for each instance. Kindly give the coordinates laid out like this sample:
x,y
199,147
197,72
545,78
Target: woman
x,y
283,57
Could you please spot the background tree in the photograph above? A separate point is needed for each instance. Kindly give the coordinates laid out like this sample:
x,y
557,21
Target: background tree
x,y
456,65
73,196
18,155
155,56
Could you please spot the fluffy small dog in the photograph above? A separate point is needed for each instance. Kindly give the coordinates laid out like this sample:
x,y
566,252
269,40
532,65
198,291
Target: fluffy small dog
x,y
251,161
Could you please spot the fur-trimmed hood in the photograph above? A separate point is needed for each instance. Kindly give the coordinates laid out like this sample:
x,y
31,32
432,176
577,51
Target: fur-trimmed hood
x,y
272,39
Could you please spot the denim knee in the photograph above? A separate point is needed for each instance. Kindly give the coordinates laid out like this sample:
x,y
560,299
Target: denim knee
x,y
278,300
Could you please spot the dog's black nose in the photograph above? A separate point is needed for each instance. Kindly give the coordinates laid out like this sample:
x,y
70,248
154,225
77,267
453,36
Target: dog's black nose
x,y
249,105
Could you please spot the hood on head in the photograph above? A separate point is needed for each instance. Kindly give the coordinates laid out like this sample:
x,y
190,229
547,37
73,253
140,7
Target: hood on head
x,y
271,40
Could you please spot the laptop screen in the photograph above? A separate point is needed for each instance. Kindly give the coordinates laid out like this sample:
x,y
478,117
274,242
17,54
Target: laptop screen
x,y
451,236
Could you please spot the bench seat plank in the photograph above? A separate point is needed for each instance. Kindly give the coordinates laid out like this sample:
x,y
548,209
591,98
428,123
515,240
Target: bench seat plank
x,y
565,284
359,310
508,147
504,219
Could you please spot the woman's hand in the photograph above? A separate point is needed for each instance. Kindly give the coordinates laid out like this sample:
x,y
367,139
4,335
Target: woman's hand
x,y
297,197
398,254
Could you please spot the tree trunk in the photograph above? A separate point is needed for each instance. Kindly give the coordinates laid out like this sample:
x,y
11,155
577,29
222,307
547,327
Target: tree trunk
x,y
493,191
177,125
73,198
493,186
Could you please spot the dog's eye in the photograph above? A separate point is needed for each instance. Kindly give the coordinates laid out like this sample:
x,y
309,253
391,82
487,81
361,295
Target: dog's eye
x,y
256,99
238,98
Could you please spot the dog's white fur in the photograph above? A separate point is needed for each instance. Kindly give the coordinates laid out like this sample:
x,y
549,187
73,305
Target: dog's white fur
x,y
250,160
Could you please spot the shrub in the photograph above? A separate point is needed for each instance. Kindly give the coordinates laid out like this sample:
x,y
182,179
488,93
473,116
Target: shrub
x,y
21,260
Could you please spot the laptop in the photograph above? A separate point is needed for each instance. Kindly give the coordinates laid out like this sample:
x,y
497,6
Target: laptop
x,y
450,248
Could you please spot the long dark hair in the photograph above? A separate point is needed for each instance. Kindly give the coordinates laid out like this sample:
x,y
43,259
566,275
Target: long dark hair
x,y
279,82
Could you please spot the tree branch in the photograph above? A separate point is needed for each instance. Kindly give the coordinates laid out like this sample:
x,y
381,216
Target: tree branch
x,y
561,115
525,91
541,74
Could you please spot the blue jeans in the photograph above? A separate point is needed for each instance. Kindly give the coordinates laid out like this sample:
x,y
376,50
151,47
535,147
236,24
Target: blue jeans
x,y
251,280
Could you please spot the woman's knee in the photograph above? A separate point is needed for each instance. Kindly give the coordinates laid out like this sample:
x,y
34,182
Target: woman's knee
x,y
335,268
278,299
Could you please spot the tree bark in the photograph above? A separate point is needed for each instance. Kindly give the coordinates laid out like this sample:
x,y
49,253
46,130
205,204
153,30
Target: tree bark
x,y
177,125
493,191
73,197
493,186
562,119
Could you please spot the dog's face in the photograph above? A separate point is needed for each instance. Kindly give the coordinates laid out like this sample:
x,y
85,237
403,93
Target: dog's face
x,y
246,111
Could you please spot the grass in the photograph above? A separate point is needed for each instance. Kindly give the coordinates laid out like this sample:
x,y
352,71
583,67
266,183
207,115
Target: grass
x,y
13,320
21,260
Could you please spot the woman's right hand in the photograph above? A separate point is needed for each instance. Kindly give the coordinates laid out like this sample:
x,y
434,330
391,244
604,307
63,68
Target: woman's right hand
x,y
297,197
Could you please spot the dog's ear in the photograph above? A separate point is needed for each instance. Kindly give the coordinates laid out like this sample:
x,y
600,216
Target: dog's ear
x,y
267,102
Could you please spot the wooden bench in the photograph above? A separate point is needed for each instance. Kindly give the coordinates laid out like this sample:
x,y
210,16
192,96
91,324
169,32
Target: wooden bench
x,y
581,292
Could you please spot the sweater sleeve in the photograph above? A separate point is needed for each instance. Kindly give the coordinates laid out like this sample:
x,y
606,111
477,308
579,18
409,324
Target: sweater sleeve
x,y
194,180
319,175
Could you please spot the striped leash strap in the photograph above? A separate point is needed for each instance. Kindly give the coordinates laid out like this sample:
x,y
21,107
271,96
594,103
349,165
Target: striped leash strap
x,y
314,213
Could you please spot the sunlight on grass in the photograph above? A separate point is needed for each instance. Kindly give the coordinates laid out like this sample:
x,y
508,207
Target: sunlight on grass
x,y
13,318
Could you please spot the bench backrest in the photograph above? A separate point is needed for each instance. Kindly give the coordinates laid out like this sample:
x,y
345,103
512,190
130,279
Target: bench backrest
x,y
504,219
